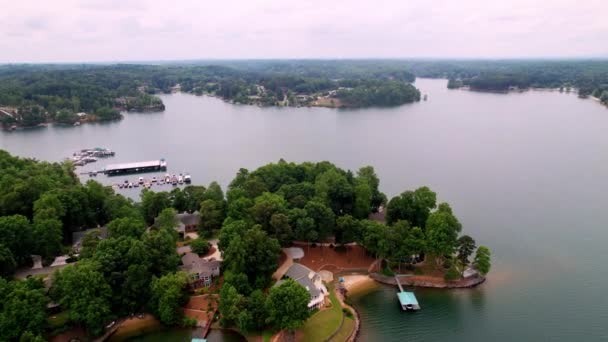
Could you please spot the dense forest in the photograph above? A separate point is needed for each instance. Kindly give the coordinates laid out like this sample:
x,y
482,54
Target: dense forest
x,y
37,94
588,77
135,268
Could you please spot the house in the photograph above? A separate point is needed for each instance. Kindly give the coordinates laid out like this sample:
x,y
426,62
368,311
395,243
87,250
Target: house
x,y
311,281
201,271
186,223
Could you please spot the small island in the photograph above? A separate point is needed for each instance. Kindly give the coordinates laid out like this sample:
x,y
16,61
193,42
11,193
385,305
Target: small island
x,y
264,259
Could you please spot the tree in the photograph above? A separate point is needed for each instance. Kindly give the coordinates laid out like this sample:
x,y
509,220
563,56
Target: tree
x,y
412,206
161,248
48,237
152,203
323,217
212,216
231,230
231,304
199,246
82,289
442,229
482,260
256,305
255,254
367,174
89,243
281,228
167,220
7,262
348,229
214,192
168,296
265,206
335,191
23,310
466,247
128,226
239,281
287,305
16,234
363,200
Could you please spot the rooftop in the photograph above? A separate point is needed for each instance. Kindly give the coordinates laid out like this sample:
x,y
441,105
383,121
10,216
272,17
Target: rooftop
x,y
305,277
137,165
407,298
192,263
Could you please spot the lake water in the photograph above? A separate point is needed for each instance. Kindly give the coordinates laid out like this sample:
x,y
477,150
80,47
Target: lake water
x,y
526,174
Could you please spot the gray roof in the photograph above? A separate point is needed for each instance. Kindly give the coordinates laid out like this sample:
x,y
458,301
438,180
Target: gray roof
x,y
78,236
151,163
189,219
192,263
300,274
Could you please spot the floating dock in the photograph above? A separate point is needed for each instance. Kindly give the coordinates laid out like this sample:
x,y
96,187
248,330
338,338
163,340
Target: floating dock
x,y
407,300
146,166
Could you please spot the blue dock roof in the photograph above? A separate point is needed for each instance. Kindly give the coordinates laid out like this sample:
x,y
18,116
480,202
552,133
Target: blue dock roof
x,y
194,339
406,298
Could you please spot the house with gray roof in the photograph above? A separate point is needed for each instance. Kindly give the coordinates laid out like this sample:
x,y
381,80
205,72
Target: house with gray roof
x,y
311,281
200,271
186,223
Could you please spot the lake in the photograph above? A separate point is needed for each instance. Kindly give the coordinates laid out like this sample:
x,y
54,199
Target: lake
x,y
526,173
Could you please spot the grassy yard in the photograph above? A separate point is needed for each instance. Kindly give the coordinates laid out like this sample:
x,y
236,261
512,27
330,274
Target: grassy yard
x,y
324,323
345,330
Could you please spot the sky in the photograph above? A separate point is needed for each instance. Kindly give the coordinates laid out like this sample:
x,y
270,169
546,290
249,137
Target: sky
x,y
133,30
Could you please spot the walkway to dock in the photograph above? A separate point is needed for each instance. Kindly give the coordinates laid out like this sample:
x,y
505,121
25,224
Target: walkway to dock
x,y
399,284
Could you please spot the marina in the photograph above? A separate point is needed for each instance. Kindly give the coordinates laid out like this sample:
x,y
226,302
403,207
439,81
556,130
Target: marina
x,y
146,183
90,155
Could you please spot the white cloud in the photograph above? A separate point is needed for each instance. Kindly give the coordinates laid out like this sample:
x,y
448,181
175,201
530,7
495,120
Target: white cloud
x,y
111,30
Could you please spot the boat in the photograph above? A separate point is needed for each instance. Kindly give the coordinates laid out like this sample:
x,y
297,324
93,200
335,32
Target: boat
x,y
187,178
154,179
92,173
180,179
136,185
130,185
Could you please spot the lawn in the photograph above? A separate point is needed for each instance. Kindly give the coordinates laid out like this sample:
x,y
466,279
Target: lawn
x,y
324,323
345,330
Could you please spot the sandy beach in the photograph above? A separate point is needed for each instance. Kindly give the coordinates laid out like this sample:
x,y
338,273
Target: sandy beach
x,y
356,283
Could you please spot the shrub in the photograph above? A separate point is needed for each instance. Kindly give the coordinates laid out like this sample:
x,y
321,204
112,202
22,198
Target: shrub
x,y
200,246
188,322
388,272
452,274
347,312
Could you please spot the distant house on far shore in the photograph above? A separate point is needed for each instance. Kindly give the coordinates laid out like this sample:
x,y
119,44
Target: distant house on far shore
x,y
186,223
311,281
200,271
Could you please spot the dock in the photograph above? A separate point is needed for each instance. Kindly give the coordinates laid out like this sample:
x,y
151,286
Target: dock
x,y
146,166
407,300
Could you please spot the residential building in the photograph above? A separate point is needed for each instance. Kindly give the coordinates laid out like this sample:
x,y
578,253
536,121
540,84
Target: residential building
x,y
201,271
311,281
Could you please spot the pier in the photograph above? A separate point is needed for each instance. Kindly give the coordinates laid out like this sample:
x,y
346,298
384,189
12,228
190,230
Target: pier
x,y
146,166
407,300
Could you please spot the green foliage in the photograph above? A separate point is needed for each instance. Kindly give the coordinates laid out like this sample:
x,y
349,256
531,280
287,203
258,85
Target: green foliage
x,y
482,260
7,261
16,234
231,304
152,203
466,247
212,216
442,229
22,309
82,289
168,296
200,246
379,93
452,274
412,206
107,114
128,227
255,254
287,305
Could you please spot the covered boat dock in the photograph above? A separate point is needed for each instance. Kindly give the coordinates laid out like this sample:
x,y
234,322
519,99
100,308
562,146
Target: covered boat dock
x,y
407,300
146,166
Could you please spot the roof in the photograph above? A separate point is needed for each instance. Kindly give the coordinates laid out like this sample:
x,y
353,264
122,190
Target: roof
x,y
194,339
407,298
305,277
189,219
192,263
78,236
151,163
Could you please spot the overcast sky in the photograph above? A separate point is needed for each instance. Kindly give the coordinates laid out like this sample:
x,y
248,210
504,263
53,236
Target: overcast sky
x,y
125,30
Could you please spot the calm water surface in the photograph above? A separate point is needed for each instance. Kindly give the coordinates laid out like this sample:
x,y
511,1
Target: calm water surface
x,y
526,174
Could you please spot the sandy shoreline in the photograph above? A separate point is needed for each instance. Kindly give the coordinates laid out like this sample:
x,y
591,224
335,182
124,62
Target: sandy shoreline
x,y
357,283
